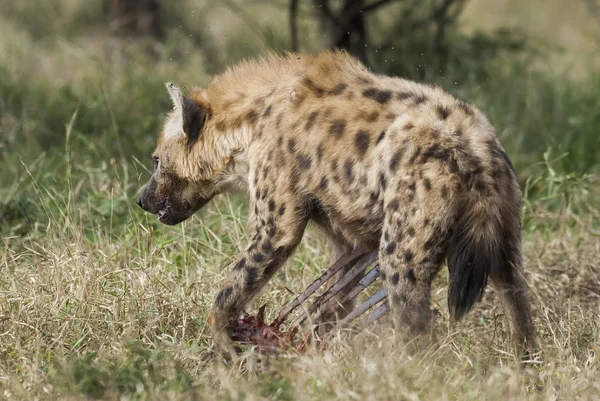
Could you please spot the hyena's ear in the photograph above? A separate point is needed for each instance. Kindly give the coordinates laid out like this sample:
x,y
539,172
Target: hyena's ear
x,y
192,114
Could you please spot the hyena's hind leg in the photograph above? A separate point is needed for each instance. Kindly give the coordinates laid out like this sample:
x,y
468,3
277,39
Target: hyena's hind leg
x,y
411,254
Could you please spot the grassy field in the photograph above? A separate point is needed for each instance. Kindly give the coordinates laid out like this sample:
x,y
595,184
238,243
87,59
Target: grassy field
x,y
98,300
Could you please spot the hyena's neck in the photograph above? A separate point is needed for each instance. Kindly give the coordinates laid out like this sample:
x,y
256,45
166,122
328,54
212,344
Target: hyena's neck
x,y
240,101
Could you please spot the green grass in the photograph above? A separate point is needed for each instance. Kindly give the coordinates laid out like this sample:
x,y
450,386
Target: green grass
x,y
98,300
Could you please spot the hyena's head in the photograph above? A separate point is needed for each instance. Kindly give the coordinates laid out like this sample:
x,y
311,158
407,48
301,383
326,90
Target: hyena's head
x,y
188,167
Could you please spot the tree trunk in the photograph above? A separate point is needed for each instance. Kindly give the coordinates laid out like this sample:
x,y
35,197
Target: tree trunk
x,y
345,29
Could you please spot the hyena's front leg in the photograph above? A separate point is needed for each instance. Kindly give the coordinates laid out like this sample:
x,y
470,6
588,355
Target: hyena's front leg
x,y
279,224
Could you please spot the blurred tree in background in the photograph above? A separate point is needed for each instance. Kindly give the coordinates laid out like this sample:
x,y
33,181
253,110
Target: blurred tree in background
x,y
346,27
134,17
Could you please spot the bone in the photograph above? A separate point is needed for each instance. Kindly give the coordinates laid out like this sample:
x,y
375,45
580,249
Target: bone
x,y
365,306
376,314
333,305
356,270
337,266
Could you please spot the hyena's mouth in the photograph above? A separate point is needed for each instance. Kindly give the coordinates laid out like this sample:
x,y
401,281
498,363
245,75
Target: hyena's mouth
x,y
166,217
170,216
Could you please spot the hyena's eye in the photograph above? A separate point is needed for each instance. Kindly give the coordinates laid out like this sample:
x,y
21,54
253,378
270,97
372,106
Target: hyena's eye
x,y
155,162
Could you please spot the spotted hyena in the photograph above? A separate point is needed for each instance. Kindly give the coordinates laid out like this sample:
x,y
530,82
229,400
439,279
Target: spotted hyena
x,y
379,163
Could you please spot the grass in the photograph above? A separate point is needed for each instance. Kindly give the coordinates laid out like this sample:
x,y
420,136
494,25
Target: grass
x,y
98,300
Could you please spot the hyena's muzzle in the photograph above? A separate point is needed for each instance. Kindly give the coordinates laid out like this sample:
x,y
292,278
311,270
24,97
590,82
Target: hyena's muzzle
x,y
171,200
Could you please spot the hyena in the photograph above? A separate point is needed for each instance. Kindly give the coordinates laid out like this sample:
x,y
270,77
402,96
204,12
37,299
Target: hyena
x,y
379,163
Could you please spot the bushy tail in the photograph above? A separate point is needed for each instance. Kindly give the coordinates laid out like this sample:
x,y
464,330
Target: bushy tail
x,y
475,249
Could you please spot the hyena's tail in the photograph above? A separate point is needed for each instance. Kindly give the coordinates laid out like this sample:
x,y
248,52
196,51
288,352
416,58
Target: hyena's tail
x,y
476,249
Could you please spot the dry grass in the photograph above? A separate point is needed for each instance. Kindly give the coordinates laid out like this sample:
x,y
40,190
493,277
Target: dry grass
x,y
122,314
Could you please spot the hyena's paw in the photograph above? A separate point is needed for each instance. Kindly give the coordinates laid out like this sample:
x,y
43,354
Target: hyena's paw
x,y
222,328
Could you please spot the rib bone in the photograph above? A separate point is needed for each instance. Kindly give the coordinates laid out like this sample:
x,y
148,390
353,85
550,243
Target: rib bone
x,y
356,270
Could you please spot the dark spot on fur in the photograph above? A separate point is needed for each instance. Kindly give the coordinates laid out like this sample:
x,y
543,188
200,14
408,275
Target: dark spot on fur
x,y
282,210
310,122
257,194
255,209
292,145
410,275
390,248
223,297
426,222
412,187
267,246
394,205
395,160
380,137
480,186
337,128
334,165
465,107
304,161
372,117
271,205
348,166
252,116
427,184
430,243
380,96
220,125
267,111
442,111
251,278
420,99
361,142
364,80
271,230
240,265
280,141
415,155
314,88
382,181
395,278
323,184
404,95
408,126
435,152
386,236
408,256
444,192
410,232
339,89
